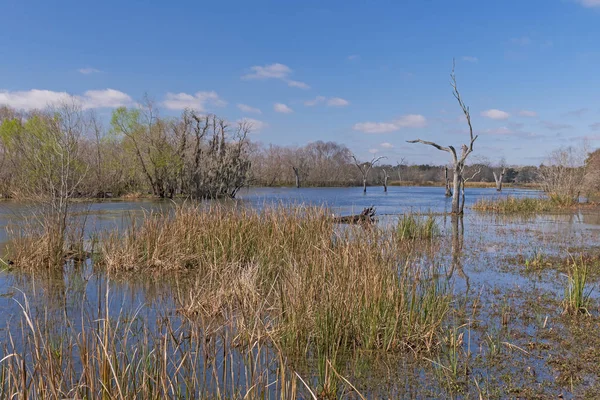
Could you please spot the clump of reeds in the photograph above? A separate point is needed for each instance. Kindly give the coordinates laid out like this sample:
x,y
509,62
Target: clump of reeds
x,y
45,241
278,284
577,296
122,356
511,204
289,274
416,227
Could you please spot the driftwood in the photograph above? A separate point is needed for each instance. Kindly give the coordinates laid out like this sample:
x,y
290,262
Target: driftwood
x,y
366,216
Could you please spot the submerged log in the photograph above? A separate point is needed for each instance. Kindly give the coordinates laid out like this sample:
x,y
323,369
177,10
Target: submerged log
x,y
366,216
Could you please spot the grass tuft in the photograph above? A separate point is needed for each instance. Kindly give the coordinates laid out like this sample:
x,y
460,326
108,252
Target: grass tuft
x,y
417,227
512,204
577,297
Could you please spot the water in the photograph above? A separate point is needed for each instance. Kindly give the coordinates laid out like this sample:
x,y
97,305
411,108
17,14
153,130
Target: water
x,y
487,243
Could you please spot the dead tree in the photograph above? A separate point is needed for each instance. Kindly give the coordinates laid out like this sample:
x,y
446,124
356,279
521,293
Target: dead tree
x,y
447,183
400,164
365,168
458,160
385,179
366,216
498,179
297,175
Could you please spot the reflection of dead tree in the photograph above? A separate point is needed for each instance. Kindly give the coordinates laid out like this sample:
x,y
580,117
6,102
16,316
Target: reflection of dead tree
x,y
458,230
365,168
457,161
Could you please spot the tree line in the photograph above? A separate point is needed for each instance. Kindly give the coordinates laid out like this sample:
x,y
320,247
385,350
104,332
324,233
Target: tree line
x,y
69,152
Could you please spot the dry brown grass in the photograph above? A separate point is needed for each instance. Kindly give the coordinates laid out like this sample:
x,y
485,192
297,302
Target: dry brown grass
x,y
290,274
268,286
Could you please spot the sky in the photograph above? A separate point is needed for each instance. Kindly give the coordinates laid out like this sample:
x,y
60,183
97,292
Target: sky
x,y
368,74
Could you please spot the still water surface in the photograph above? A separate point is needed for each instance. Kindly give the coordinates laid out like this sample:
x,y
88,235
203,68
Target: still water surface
x,y
488,240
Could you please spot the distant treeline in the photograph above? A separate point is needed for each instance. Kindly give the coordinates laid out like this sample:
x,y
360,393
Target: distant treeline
x,y
331,164
67,152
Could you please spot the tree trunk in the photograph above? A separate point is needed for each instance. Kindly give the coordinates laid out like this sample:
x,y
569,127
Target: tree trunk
x,y
447,181
456,191
297,175
385,178
364,185
462,204
498,179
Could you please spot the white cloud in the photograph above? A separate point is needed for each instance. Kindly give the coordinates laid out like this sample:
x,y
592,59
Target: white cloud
x,y
88,70
107,98
353,57
375,127
315,101
411,121
33,99
589,3
40,99
282,108
274,71
495,114
470,59
373,151
337,102
406,121
249,109
197,101
387,145
255,124
298,84
528,113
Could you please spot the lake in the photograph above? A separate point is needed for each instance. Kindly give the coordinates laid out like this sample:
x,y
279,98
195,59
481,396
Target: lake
x,y
494,275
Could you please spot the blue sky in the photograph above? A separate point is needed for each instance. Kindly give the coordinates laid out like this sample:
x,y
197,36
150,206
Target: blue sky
x,y
370,74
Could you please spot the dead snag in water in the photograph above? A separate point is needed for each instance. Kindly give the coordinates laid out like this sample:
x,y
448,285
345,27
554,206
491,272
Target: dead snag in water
x,y
365,168
458,162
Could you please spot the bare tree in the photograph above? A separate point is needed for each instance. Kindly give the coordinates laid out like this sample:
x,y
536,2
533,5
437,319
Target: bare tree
x,y
458,161
400,164
365,168
447,182
385,179
499,177
563,177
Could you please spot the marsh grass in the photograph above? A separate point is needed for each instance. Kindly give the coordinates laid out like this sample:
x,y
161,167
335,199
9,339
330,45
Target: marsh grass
x,y
577,296
41,241
124,357
289,276
510,204
417,227
260,290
